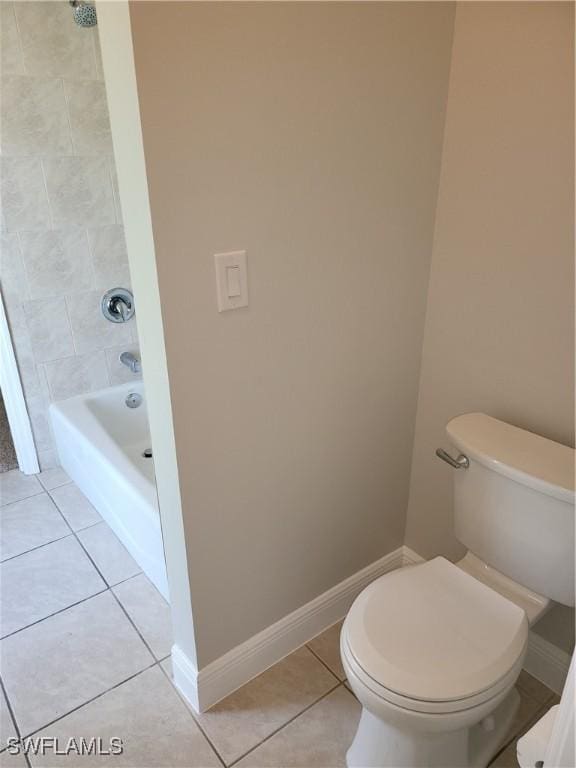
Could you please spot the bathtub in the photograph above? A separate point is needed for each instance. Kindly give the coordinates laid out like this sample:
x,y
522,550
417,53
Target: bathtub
x,y
100,442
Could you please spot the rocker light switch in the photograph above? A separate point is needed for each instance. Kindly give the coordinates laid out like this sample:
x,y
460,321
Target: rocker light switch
x,y
234,283
231,280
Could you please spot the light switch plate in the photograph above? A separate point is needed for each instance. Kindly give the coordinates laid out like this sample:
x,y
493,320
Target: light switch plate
x,y
231,280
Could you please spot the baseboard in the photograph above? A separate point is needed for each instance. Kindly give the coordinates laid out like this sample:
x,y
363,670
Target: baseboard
x,y
205,687
547,663
409,557
544,661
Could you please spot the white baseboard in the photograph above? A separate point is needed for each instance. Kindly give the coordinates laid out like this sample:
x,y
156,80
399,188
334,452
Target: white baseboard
x,y
547,662
204,688
544,661
409,557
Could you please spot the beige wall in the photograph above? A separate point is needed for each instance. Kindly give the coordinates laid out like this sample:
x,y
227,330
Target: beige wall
x,y
500,318
62,241
309,134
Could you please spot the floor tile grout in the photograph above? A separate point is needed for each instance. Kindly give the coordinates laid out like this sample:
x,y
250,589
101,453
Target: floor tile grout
x,y
193,716
52,541
287,723
89,701
17,501
55,487
13,716
526,725
110,589
55,613
33,549
322,662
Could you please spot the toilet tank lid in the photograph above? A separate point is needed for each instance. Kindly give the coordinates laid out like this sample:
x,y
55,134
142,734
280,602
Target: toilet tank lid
x,y
522,456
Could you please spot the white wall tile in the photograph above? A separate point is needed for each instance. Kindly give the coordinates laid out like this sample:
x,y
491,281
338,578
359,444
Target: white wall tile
x,y
48,459
52,43
12,276
109,257
12,62
56,262
39,419
98,59
77,375
116,190
89,121
80,191
34,117
24,199
90,329
49,329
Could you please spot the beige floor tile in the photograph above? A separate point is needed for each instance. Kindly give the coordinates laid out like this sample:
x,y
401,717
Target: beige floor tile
x,y
149,612
8,760
506,759
7,729
265,704
534,688
54,666
327,647
318,737
156,728
528,710
15,486
53,478
112,559
29,523
75,507
44,581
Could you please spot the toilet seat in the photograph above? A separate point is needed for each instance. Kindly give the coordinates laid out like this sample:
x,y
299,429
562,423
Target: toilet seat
x,y
433,639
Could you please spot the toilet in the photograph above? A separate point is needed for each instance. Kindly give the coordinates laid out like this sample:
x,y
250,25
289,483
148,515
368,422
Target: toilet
x,y
432,651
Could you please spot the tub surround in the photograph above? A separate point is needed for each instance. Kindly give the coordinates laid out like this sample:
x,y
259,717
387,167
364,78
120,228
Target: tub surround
x,y
62,236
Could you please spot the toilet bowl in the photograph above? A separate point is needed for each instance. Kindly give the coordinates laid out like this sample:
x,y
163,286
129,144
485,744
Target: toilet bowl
x,y
432,651
430,694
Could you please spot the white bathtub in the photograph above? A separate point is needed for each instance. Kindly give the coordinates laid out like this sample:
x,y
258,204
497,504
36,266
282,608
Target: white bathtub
x,y
100,443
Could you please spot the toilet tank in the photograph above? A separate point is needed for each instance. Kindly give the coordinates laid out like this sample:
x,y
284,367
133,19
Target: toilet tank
x,y
514,504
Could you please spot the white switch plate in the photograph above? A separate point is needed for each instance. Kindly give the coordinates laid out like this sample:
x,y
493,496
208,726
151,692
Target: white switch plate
x,y
231,280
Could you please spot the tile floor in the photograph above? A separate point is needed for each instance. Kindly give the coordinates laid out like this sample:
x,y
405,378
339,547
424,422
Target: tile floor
x,y
85,644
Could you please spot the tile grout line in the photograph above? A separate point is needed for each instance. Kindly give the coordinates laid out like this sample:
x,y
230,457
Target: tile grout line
x,y
109,586
33,549
55,613
322,662
193,716
89,701
13,716
287,723
525,726
24,498
104,579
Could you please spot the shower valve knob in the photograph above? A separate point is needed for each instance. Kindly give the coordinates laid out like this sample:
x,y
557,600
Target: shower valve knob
x,y
118,305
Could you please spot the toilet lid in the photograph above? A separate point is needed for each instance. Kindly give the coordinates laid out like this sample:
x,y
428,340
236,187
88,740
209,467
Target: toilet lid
x,y
433,632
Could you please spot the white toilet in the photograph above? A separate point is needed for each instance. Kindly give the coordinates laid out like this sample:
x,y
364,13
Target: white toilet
x,y
433,651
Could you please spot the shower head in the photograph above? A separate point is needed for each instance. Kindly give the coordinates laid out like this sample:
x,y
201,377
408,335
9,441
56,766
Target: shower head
x,y
84,13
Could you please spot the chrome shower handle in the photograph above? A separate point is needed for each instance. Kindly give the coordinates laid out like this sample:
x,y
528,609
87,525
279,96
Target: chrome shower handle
x,y
460,462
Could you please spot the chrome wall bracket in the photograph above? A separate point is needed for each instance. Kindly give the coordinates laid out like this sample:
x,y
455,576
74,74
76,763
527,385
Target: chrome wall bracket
x,y
460,462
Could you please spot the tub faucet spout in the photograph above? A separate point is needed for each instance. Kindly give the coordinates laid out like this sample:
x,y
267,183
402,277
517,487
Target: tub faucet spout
x,y
130,360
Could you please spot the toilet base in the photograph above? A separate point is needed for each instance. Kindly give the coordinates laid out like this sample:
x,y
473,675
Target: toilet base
x,y
379,744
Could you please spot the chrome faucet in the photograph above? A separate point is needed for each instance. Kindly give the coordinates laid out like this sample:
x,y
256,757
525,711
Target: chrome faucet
x,y
130,360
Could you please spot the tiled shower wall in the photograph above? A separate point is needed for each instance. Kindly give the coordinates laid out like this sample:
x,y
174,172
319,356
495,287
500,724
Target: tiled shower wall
x,y
62,237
